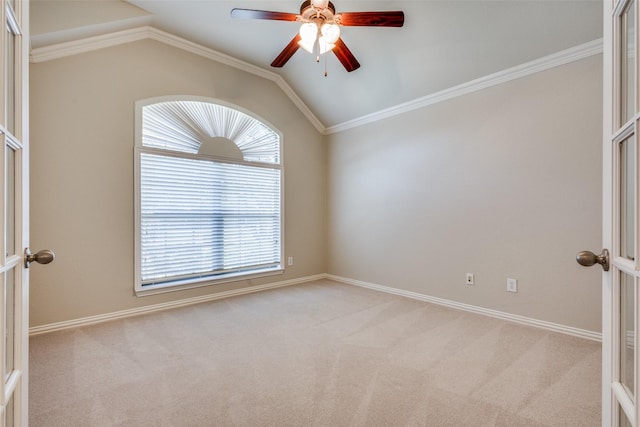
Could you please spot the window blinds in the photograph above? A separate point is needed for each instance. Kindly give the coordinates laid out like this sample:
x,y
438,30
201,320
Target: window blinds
x,y
202,218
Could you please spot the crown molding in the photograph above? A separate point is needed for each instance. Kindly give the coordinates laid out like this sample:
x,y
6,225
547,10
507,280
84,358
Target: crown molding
x,y
89,44
76,33
576,53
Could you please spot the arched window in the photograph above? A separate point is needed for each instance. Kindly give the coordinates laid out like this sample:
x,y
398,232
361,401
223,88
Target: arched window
x,y
208,195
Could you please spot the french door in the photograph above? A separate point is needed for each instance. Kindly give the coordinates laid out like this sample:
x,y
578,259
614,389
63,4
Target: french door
x,y
14,297
621,214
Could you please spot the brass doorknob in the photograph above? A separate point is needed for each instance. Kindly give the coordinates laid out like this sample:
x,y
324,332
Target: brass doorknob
x,y
588,258
44,256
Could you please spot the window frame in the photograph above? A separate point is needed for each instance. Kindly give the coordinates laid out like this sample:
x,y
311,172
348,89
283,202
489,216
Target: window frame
x,y
196,282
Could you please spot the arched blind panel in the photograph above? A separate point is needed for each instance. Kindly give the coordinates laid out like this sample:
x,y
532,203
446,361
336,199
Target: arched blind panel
x,y
182,125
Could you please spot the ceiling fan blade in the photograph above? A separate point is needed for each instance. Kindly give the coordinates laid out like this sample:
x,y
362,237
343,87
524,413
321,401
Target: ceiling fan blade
x,y
345,56
372,19
262,14
287,52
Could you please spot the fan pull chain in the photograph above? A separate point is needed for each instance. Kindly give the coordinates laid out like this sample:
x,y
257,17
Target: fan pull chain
x,y
325,65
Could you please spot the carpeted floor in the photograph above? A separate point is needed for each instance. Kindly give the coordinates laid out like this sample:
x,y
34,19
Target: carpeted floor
x,y
318,354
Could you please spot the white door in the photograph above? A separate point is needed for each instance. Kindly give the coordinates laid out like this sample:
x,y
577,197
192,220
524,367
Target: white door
x,y
621,215
14,216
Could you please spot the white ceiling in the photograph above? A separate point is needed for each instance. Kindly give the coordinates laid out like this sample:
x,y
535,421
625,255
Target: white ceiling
x,y
442,44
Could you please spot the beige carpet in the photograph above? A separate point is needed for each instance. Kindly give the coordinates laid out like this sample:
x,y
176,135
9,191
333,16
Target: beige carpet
x,y
318,354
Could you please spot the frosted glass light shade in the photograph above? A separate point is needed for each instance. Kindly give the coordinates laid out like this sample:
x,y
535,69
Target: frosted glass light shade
x,y
331,32
308,46
325,46
308,34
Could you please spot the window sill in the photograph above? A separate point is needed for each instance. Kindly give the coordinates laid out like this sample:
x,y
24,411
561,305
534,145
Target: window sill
x,y
145,290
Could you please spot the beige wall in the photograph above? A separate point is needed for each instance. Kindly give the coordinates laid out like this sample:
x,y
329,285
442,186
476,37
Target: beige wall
x,y
501,183
82,138
505,182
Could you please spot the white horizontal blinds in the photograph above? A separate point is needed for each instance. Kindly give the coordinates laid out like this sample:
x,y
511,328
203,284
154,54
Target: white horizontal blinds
x,y
201,217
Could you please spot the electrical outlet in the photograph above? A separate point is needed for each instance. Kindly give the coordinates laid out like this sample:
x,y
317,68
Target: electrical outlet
x,y
469,278
512,285
290,260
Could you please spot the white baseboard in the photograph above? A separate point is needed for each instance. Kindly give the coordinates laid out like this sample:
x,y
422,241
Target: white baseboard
x,y
568,330
91,320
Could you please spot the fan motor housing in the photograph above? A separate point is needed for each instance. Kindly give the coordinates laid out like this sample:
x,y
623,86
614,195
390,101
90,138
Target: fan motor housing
x,y
307,11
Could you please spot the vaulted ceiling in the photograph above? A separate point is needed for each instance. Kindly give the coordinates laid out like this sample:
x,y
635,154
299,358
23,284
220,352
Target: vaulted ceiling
x,y
442,45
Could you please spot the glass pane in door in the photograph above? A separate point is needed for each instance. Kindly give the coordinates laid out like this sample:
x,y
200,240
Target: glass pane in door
x,y
9,413
10,86
9,328
10,215
627,332
627,159
622,418
627,63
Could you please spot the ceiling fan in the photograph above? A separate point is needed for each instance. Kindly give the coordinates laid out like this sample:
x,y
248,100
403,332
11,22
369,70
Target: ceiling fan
x,y
320,29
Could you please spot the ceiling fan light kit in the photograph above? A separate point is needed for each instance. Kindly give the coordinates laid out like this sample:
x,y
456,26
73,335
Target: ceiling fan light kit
x,y
325,34
320,29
